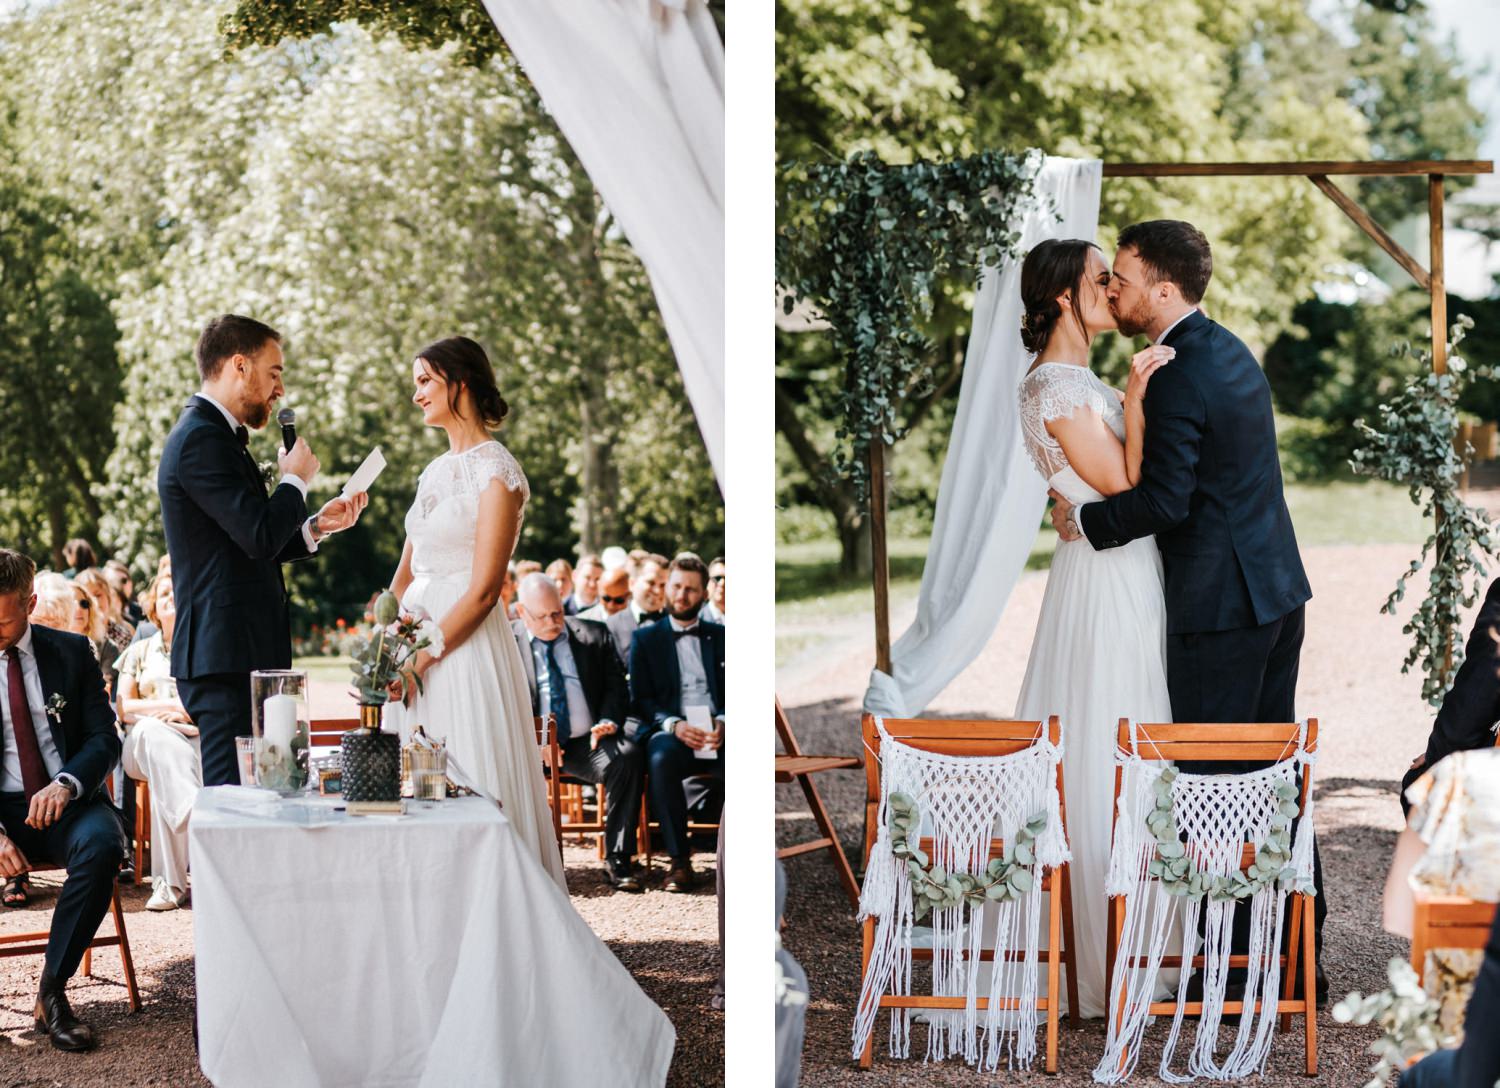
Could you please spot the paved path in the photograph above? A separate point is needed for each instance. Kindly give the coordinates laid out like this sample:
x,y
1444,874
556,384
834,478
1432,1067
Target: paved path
x,y
1373,722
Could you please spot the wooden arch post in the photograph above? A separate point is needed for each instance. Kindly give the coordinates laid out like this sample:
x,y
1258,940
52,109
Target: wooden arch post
x,y
1430,279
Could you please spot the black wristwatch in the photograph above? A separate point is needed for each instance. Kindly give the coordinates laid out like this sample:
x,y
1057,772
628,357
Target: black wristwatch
x,y
68,785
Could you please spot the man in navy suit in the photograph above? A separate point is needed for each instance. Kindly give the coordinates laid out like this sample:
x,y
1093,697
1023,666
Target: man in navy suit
x,y
1210,492
228,537
58,743
675,663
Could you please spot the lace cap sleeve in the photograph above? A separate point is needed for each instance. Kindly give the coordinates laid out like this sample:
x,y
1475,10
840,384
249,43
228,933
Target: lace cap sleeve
x,y
493,461
1062,390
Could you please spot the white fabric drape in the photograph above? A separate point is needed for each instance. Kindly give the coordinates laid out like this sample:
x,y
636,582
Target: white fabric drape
x,y
990,498
637,87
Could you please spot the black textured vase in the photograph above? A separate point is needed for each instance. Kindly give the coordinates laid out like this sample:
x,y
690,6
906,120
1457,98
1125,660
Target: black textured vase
x,y
371,760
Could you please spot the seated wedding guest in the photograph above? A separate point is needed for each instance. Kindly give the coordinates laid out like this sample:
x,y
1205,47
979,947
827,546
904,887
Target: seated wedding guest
x,y
525,567
614,556
574,673
713,611
57,749
119,577
1471,709
79,556
110,615
675,664
56,602
508,591
585,585
161,748
614,595
561,573
647,602
1475,1063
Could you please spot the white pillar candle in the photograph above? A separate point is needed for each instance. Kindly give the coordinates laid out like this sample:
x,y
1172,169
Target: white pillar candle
x,y
279,718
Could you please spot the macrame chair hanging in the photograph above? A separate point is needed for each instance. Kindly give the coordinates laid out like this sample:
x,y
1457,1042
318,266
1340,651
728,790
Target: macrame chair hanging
x,y
965,819
1188,848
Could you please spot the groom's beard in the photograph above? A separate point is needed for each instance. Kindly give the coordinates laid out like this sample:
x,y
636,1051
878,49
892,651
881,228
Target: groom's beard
x,y
257,415
1134,323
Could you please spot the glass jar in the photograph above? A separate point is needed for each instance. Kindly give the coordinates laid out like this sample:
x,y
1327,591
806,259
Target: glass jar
x,y
280,721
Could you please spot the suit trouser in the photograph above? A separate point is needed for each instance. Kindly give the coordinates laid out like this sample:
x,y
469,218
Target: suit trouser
x,y
619,764
1244,675
671,764
87,841
220,707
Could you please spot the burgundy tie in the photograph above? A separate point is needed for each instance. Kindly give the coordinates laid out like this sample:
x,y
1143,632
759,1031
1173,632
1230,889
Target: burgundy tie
x,y
33,770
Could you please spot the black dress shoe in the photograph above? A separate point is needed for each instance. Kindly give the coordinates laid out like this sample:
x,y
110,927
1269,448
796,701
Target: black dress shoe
x,y
55,1017
622,875
680,877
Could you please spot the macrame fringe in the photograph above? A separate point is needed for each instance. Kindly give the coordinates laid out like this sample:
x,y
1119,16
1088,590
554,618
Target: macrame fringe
x,y
965,801
1218,814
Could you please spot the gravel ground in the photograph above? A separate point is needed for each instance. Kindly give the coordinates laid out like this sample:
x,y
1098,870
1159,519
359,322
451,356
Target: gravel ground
x,y
668,942
1373,721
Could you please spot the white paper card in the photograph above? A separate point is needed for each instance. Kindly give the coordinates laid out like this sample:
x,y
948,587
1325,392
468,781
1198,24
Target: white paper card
x,y
701,717
365,475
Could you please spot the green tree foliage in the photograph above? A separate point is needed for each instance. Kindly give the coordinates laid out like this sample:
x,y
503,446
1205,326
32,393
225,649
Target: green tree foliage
x,y
1131,80
364,197
418,23
59,377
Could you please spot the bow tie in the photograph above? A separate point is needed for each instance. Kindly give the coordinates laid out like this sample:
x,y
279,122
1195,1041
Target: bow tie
x,y
243,434
650,617
692,632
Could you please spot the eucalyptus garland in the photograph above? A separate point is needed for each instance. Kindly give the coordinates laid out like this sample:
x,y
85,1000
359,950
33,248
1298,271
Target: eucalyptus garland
x,y
1409,1019
933,888
867,244
1413,443
1181,875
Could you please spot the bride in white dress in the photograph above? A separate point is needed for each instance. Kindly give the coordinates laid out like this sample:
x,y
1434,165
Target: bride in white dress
x,y
461,533
1100,648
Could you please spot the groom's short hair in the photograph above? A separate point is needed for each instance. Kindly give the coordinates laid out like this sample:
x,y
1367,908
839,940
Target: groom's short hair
x,y
1173,251
17,573
229,335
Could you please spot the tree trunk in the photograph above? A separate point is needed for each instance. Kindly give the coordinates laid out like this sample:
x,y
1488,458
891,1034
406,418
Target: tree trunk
x,y
57,523
855,553
598,520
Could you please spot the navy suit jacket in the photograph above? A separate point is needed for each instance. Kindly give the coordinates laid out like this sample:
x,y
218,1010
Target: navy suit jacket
x,y
656,680
84,728
600,672
227,539
1210,489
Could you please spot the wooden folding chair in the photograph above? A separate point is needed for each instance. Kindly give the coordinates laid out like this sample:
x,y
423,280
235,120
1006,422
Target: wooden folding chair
x,y
1213,743
546,739
32,944
797,766
977,738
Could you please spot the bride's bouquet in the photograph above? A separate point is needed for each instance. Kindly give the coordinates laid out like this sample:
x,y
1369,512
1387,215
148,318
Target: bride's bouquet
x,y
382,656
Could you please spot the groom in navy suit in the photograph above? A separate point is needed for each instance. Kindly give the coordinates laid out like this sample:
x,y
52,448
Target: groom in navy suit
x,y
675,663
228,536
58,743
1210,492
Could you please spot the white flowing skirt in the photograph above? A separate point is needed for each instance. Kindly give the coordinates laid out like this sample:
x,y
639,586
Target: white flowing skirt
x,y
1099,655
477,699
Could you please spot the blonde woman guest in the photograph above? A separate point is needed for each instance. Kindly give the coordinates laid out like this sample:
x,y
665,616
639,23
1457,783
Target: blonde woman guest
x,y
161,747
55,601
109,609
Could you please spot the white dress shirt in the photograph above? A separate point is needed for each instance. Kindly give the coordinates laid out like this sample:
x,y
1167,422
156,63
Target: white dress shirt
x,y
580,716
1174,324
287,477
10,760
690,668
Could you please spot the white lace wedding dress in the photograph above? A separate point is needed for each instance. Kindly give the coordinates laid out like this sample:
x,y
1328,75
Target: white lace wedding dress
x,y
476,696
1099,654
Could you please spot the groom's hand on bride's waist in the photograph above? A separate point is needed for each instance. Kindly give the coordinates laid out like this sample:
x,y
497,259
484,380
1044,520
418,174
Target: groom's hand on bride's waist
x,y
1063,519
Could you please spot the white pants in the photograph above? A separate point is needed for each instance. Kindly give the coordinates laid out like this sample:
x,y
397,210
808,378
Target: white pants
x,y
158,754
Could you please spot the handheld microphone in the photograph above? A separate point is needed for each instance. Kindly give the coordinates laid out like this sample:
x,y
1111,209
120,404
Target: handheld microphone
x,y
288,420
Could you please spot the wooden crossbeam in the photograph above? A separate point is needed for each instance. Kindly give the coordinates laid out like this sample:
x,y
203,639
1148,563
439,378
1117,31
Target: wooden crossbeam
x,y
1378,233
1294,169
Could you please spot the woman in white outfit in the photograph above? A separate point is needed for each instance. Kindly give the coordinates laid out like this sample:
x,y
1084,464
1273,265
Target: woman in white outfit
x,y
161,746
461,534
1100,648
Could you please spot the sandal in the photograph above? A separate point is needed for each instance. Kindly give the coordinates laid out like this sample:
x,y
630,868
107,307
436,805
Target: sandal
x,y
17,892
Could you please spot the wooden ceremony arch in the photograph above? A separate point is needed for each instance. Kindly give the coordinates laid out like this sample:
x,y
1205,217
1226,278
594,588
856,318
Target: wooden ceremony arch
x,y
1430,279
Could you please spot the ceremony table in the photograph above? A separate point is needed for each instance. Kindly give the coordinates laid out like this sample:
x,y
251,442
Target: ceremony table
x,y
378,951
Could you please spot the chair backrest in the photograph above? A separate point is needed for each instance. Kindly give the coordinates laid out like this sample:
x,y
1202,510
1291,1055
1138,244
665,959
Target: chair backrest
x,y
546,739
784,731
1215,742
954,737
329,732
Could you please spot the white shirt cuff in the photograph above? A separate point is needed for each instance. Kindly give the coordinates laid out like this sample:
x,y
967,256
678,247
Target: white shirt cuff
x,y
670,725
307,535
64,776
296,481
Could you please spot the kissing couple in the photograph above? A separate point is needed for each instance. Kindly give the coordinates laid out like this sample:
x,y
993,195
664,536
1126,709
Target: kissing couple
x,y
1177,591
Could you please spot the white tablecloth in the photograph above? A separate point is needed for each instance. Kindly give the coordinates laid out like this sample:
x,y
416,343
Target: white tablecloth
x,y
379,951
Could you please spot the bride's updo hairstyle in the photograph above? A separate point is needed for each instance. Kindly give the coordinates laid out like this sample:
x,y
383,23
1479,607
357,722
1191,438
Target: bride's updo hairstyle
x,y
1054,266
462,363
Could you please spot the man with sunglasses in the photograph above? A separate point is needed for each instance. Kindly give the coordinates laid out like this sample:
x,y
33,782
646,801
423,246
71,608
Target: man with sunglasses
x,y
614,596
713,611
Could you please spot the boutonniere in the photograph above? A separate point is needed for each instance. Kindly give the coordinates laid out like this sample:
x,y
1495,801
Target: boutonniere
x,y
55,707
268,474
